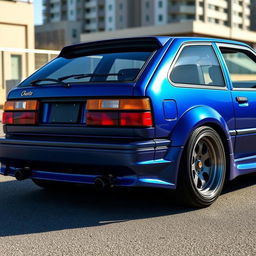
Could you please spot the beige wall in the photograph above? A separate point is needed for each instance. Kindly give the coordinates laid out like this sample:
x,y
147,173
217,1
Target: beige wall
x,y
17,31
17,24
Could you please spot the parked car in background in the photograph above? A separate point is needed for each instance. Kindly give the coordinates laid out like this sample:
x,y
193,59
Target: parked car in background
x,y
175,113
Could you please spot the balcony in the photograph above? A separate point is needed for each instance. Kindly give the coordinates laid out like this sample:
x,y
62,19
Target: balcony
x,y
182,8
91,27
90,4
90,15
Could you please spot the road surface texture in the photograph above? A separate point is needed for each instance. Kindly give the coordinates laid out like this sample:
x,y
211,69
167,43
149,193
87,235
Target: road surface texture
x,y
82,221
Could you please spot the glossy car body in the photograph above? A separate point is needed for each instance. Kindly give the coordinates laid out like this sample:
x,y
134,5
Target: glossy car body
x,y
136,156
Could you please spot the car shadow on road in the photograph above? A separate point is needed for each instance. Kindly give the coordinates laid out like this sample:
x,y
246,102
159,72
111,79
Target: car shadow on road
x,y
27,209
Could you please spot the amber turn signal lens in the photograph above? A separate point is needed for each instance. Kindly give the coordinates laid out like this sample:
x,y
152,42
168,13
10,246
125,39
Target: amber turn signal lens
x,y
135,104
21,105
118,104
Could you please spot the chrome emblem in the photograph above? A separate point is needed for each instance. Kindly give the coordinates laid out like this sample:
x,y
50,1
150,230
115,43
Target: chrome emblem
x,y
25,93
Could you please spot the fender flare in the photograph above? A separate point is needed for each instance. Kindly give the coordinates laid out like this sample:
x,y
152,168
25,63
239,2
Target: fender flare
x,y
190,120
193,118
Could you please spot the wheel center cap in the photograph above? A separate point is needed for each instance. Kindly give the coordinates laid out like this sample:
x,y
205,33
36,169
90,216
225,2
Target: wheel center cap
x,y
199,164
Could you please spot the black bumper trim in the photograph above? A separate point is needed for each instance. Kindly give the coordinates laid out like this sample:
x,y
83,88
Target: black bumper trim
x,y
139,145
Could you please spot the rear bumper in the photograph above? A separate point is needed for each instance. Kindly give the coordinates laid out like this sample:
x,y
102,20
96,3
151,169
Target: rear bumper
x,y
139,163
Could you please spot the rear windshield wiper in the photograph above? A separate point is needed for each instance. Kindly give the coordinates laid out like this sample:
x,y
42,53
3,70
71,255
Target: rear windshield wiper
x,y
80,76
57,81
60,80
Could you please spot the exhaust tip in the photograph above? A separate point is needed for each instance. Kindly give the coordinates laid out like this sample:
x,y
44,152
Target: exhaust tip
x,y
22,173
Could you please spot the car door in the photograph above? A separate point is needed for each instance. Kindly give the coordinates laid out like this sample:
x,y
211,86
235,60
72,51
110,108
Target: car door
x,y
241,64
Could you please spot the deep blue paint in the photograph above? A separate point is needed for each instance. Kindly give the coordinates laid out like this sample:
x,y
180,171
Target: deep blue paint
x,y
177,112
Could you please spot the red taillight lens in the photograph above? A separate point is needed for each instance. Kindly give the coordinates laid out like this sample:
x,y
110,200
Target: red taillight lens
x,y
136,119
19,118
102,118
25,118
130,112
22,112
141,119
7,118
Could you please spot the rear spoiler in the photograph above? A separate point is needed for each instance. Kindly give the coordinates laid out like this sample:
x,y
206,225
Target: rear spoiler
x,y
128,44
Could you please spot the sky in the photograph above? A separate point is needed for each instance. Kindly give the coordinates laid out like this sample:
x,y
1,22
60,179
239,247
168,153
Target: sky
x,y
38,12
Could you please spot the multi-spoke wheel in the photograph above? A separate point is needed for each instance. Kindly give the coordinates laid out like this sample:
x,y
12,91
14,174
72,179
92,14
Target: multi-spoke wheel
x,y
203,168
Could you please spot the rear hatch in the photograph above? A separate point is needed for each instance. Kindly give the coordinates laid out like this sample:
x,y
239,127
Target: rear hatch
x,y
62,88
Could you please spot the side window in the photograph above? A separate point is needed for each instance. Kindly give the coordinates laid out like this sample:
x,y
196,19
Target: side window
x,y
197,65
242,67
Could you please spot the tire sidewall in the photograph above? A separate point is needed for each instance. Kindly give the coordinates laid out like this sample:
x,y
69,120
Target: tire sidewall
x,y
195,195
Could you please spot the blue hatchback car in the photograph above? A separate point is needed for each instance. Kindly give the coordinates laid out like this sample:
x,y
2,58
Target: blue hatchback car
x,y
175,113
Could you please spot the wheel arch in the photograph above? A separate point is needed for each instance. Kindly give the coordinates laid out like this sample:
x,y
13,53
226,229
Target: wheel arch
x,y
197,117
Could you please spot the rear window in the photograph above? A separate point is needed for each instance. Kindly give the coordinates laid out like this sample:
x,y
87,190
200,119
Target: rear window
x,y
105,67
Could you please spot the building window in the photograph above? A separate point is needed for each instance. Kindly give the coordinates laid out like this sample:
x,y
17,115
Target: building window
x,y
16,67
147,4
160,17
147,18
74,33
121,6
110,7
121,18
160,4
190,16
110,19
210,6
210,19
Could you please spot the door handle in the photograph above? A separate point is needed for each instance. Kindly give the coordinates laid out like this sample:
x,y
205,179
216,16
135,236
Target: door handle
x,y
241,100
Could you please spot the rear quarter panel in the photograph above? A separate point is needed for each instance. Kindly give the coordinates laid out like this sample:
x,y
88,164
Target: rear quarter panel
x,y
212,105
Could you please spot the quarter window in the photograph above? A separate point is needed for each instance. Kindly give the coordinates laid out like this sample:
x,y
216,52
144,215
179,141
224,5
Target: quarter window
x,y
197,65
242,67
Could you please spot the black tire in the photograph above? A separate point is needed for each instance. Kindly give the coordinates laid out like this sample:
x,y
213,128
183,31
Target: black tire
x,y
202,169
51,185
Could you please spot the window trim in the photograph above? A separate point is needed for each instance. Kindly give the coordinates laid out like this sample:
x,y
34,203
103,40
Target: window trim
x,y
196,86
239,47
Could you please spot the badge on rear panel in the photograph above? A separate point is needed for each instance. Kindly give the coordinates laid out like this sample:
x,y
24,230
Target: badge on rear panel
x,y
25,93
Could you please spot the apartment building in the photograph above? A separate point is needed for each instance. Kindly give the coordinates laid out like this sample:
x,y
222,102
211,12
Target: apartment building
x,y
90,16
232,13
253,15
65,20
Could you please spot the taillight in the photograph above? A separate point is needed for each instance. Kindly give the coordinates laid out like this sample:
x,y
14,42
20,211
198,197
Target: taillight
x,y
21,112
21,105
119,112
7,118
136,119
102,118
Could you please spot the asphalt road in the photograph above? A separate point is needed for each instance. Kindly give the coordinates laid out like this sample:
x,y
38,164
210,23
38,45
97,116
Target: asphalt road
x,y
124,222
